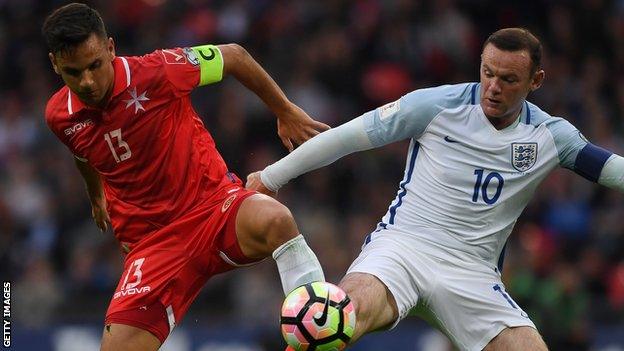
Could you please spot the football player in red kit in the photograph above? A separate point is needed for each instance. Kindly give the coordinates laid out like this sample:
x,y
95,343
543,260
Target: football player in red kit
x,y
153,172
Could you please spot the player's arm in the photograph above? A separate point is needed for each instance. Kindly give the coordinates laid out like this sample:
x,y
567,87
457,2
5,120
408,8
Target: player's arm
x,y
601,166
293,124
586,159
317,152
405,118
95,191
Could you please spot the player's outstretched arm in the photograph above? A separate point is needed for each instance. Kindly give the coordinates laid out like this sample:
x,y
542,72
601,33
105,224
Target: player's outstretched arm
x,y
293,124
96,194
319,151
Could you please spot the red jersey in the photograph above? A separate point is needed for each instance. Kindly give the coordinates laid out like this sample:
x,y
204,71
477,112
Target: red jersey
x,y
156,159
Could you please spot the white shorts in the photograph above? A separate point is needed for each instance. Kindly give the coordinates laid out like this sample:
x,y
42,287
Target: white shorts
x,y
464,298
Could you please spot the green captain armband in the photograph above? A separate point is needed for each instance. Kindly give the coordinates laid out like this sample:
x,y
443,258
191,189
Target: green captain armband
x,y
210,62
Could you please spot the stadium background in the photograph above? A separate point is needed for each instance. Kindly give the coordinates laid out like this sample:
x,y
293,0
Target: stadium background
x,y
336,59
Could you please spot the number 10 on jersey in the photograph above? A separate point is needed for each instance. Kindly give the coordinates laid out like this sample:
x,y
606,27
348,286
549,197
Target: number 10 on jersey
x,y
121,144
481,186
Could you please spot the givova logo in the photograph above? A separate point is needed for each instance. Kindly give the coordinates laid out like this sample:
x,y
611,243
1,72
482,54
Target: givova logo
x,y
132,287
78,127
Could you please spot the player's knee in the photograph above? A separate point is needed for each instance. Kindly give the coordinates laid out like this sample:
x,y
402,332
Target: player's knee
x,y
363,308
363,311
262,225
375,307
280,225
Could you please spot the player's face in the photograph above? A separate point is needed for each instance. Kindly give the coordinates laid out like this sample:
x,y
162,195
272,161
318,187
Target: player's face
x,y
87,70
506,80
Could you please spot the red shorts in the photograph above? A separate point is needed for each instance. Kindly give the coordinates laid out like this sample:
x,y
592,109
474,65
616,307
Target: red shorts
x,y
164,272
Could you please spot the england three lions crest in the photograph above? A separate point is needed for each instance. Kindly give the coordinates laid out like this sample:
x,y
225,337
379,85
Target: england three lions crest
x,y
523,155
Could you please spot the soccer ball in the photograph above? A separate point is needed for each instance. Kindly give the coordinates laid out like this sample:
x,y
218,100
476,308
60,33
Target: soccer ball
x,y
317,316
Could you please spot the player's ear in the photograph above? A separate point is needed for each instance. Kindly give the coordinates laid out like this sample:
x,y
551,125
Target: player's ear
x,y
53,61
110,46
538,79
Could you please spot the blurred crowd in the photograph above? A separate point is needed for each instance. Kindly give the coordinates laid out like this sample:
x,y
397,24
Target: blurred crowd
x,y
337,60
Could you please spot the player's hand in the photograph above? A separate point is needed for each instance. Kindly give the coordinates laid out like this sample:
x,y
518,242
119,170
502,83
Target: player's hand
x,y
100,214
254,182
295,126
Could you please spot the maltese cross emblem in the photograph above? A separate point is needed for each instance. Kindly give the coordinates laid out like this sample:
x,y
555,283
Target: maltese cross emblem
x,y
136,100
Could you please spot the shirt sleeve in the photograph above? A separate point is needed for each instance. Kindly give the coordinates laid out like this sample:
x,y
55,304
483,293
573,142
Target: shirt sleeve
x,y
409,116
190,67
575,152
54,114
317,152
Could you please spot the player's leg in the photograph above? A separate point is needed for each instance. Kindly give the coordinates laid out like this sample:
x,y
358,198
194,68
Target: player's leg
x,y
519,338
120,337
375,307
470,305
266,227
160,279
379,283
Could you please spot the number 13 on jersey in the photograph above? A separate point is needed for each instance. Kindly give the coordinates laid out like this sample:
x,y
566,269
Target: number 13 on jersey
x,y
121,145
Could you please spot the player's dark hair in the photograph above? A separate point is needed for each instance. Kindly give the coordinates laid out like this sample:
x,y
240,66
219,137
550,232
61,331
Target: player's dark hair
x,y
70,25
518,39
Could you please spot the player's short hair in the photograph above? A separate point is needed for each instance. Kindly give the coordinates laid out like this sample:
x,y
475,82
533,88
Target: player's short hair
x,y
518,39
70,25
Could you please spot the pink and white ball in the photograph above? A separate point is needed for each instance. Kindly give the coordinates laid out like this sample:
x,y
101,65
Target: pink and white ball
x,y
318,316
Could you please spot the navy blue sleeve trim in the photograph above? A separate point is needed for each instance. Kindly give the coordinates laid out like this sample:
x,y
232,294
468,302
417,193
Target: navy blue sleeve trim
x,y
590,160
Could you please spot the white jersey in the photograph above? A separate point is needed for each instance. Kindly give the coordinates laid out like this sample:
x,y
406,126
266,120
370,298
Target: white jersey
x,y
465,182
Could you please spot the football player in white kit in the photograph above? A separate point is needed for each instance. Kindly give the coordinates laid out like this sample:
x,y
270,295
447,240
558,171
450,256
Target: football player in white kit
x,y
478,151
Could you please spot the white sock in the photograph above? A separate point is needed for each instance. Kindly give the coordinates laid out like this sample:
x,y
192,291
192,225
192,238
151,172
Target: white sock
x,y
297,264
